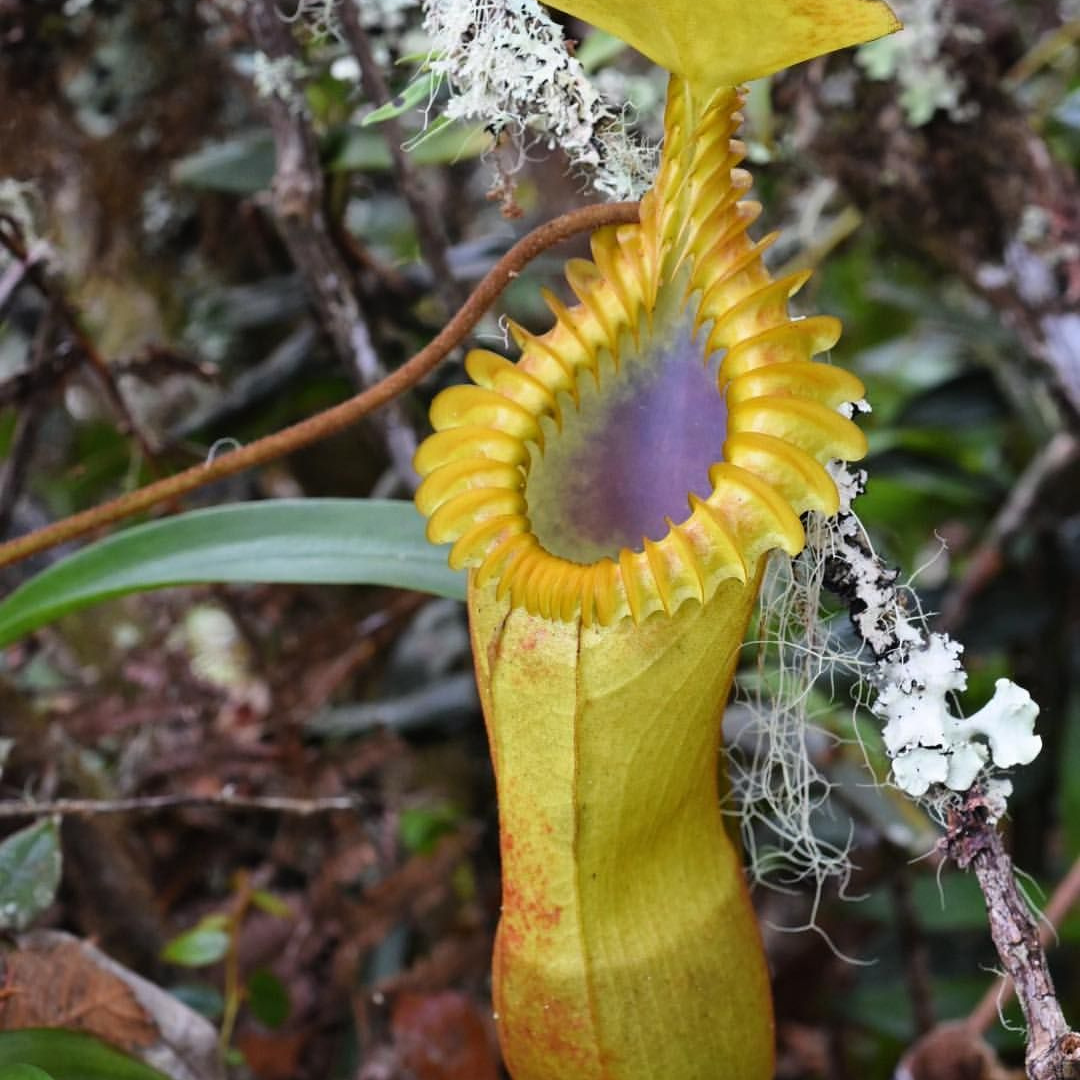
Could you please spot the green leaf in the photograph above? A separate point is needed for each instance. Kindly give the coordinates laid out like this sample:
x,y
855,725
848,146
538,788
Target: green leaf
x,y
271,904
420,89
598,50
268,998
240,166
443,142
199,947
202,998
23,1072
302,541
422,827
29,873
68,1055
217,921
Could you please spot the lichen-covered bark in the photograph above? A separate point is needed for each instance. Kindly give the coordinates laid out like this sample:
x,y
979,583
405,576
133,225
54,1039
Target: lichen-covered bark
x,y
982,196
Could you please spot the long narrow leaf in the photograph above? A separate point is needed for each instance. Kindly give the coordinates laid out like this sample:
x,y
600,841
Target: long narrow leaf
x,y
70,1055
302,541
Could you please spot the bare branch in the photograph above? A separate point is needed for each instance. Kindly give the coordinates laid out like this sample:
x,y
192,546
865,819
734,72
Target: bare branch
x,y
1063,899
226,799
1053,1049
1060,455
52,289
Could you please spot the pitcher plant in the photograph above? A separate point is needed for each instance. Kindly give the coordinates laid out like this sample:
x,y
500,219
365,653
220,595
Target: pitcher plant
x,y
614,493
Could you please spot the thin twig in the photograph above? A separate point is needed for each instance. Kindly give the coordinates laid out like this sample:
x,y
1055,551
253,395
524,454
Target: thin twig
x,y
226,799
972,840
339,417
49,374
1062,901
429,231
52,290
27,425
1059,455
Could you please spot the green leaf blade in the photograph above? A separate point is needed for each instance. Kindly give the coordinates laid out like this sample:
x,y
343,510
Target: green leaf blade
x,y
30,867
295,541
199,947
68,1055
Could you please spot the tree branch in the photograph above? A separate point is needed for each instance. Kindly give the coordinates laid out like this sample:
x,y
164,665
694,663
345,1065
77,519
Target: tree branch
x,y
972,840
226,799
1064,897
35,271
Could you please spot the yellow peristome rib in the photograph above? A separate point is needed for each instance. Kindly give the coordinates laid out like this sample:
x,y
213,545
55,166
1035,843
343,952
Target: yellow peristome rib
x,y
761,310
468,441
476,405
821,432
761,518
797,476
823,383
745,275
641,592
718,548
495,372
485,536
780,344
544,362
607,253
677,579
464,475
713,43
501,557
453,518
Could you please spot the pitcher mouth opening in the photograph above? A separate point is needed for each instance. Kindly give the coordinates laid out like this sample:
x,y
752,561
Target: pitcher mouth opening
x,y
623,460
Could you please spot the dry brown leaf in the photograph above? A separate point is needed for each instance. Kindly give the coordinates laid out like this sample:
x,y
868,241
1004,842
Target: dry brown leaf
x,y
272,1056
53,979
56,984
443,1037
951,1051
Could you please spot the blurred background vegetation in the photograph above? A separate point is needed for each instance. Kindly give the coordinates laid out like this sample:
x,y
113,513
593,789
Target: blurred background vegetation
x,y
158,297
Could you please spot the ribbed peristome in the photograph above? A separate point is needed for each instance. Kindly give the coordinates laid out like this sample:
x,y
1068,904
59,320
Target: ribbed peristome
x,y
783,422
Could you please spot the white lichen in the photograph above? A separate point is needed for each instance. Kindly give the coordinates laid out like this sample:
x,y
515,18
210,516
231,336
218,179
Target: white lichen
x,y
928,744
914,57
508,66
907,675
278,77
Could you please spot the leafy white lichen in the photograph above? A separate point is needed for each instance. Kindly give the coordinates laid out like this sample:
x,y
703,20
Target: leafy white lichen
x,y
508,66
928,744
278,77
914,58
